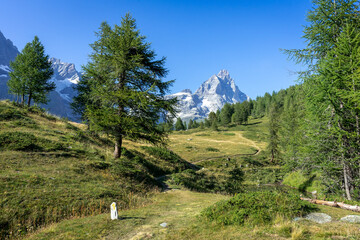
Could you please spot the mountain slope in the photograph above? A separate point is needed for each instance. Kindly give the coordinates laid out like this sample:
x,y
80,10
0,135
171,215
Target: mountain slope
x,y
52,169
209,97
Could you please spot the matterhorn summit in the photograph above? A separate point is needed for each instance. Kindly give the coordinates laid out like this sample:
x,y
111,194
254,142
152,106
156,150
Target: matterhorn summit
x,y
209,97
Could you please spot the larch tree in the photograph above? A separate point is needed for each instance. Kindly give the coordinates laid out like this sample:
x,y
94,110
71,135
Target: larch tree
x,y
327,111
122,89
31,72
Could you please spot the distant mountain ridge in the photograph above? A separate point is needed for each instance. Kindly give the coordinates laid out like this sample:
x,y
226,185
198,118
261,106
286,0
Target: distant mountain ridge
x,y
209,97
65,77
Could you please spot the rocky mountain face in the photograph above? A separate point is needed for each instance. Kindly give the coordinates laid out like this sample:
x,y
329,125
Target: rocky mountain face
x,y
65,77
209,97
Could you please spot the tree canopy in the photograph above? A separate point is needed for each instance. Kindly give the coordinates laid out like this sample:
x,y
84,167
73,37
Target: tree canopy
x,y
31,71
122,90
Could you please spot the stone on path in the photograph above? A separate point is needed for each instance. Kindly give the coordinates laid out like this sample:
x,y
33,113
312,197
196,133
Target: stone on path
x,y
318,217
164,224
351,219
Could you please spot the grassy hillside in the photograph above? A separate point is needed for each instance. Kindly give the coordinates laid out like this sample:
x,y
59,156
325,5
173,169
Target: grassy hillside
x,y
52,169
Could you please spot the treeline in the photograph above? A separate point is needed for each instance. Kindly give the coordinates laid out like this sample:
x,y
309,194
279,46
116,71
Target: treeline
x,y
237,113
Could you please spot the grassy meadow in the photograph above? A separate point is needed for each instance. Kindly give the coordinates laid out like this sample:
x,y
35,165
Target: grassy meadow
x,y
52,169
58,180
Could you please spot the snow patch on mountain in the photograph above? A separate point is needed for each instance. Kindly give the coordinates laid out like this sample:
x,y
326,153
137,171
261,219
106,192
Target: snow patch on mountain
x,y
209,97
65,77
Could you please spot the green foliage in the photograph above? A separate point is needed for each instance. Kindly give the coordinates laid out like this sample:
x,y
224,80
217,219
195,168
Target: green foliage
x,y
241,113
331,83
9,113
257,208
211,149
30,75
225,114
214,126
19,141
179,125
262,175
273,146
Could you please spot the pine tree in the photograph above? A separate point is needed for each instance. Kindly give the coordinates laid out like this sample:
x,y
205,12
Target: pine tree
x,y
179,125
327,146
31,73
214,126
225,114
339,77
190,125
122,87
274,140
212,117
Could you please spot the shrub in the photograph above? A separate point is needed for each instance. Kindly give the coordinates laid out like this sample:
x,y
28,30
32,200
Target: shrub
x,y
19,141
211,149
257,208
229,134
7,113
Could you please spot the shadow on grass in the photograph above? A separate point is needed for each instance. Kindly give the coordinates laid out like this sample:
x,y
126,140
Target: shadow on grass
x,y
126,218
307,183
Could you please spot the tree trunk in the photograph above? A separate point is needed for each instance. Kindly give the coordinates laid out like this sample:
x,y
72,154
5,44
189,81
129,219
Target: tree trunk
x,y
346,183
29,99
22,99
118,143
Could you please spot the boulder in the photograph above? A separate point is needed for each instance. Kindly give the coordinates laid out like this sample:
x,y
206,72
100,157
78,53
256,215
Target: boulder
x,y
318,217
351,219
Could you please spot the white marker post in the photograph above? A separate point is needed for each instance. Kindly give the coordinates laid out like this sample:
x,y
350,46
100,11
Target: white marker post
x,y
113,209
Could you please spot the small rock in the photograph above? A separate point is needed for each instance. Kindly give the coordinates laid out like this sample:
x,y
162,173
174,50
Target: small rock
x,y
297,219
164,224
318,217
189,139
351,219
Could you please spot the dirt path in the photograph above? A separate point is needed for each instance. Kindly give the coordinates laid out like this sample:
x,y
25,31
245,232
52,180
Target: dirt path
x,y
176,208
240,136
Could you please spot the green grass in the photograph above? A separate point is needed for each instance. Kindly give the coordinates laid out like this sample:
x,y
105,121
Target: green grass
x,y
52,169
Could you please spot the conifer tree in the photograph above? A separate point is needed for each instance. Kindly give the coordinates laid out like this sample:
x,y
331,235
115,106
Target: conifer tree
x,y
225,114
273,146
122,87
214,126
328,146
190,125
179,125
212,117
31,73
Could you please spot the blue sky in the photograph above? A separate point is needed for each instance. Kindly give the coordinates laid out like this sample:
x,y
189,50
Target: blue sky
x,y
198,37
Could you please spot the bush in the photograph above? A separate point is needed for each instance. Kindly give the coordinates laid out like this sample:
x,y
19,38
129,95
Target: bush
x,y
257,208
211,149
19,141
7,113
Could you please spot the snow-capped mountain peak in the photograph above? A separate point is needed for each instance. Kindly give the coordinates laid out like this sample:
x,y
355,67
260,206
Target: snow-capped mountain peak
x,y
210,96
223,74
